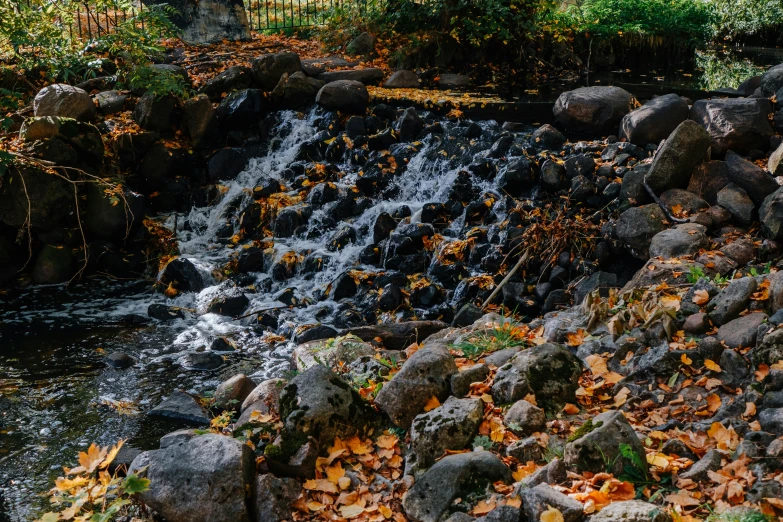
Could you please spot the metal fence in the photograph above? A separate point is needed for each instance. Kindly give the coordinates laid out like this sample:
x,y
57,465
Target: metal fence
x,y
282,14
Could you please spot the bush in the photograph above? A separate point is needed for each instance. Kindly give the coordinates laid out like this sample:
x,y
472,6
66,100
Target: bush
x,y
737,18
159,83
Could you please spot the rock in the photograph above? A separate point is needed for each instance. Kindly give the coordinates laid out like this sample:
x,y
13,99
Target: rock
x,y
232,79
771,420
162,312
84,138
453,81
524,418
230,394
369,76
711,461
344,96
267,69
687,201
708,179
296,90
110,102
426,374
685,148
53,265
596,446
64,100
451,426
775,162
549,372
274,498
182,275
601,281
115,215
737,202
553,175
596,111
362,45
685,239
120,360
181,407
409,125
241,109
202,361
631,511
331,353
697,323
203,478
548,137
737,124
732,300
461,381
267,392
402,80
157,113
655,120
538,499
467,315
771,81
317,403
771,215
754,180
397,336
200,120
452,477
525,450
741,332
637,226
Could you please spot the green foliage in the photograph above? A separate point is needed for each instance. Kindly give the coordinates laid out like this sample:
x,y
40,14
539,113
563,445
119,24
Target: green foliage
x,y
694,274
482,441
742,515
159,83
723,71
746,17
636,471
487,340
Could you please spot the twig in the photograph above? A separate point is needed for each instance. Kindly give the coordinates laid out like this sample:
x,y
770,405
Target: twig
x,y
506,279
279,307
666,211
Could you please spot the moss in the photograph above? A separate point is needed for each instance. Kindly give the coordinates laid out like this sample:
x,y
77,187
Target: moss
x,y
287,448
584,429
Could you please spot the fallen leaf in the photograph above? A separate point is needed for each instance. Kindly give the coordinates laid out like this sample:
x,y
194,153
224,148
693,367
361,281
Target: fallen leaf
x,y
432,404
712,366
552,515
701,297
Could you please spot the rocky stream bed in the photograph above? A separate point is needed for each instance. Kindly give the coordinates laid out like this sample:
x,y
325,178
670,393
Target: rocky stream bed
x,y
407,314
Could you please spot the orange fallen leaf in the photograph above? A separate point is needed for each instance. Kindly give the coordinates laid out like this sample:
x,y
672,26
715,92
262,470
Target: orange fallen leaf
x,y
432,404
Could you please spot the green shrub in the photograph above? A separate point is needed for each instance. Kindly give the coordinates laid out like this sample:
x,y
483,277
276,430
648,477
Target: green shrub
x,y
735,18
159,83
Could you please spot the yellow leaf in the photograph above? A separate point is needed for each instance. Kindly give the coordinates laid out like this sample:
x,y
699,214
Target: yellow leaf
x,y
552,515
387,441
712,366
685,359
344,482
385,511
334,473
432,404
354,510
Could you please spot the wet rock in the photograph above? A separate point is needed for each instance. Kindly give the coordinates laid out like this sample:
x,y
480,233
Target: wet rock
x,y
222,344
344,95
732,300
426,374
267,69
231,302
317,403
110,102
204,478
115,215
332,353
182,275
53,265
450,426
82,137
202,361
267,393
598,441
771,215
120,360
200,120
631,511
538,499
637,226
685,148
289,219
452,477
524,418
737,202
593,110
754,180
397,336
241,109
552,175
681,240
181,407
548,137
409,125
296,90
737,124
402,80
549,372
316,333
461,381
250,259
64,100
711,461
741,332
274,498
230,394
655,120
771,420
157,113
162,312
368,76
708,179
232,79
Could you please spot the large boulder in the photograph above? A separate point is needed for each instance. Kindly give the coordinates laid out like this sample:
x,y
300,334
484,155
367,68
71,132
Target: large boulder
x,y
452,477
34,194
708,179
549,372
113,213
84,138
450,426
157,113
738,124
200,120
210,21
685,239
267,69
655,120
64,100
54,264
182,275
296,90
203,478
672,166
754,180
596,111
771,215
772,81
631,511
232,79
638,225
331,352
606,443
345,96
426,374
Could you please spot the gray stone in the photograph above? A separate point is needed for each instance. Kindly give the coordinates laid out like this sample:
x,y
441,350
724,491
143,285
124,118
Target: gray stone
x,y
362,45
64,100
742,251
775,162
655,120
685,239
688,201
232,79
637,226
770,350
631,511
549,371
345,96
771,80
538,499
737,124
200,119
732,300
771,420
526,450
453,81
120,360
177,437
179,406
369,76
461,381
296,90
711,461
754,180
450,426
737,202
331,352
697,323
601,281
267,69
741,332
211,21
83,137
425,375
273,498
596,111
672,166
402,80
708,179
450,478
230,394
204,478
601,445
113,216
524,418
110,102
771,215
